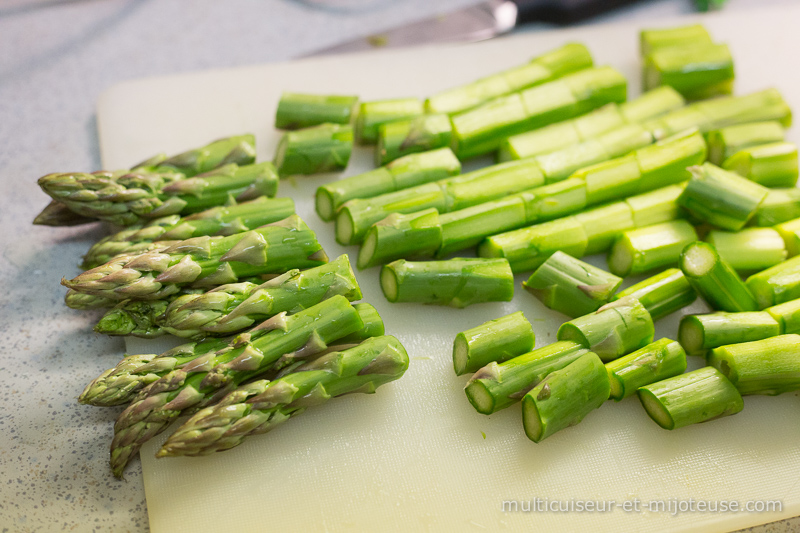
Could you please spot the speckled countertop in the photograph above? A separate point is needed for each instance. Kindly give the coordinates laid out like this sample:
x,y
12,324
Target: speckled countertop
x,y
55,59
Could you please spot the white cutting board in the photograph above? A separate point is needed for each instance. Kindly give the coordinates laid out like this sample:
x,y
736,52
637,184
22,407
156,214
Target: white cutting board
x,y
416,456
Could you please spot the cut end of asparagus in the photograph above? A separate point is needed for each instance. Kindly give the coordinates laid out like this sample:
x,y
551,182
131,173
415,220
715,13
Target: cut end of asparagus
x,y
460,354
531,420
620,260
690,336
617,389
479,397
324,205
367,251
696,261
389,284
655,410
345,227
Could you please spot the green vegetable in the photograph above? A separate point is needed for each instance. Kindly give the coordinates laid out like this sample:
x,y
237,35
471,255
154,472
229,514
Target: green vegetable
x,y
652,40
372,114
497,340
750,249
643,249
659,360
771,165
57,214
696,71
780,205
715,280
767,366
790,233
314,150
662,294
296,111
418,134
700,333
725,142
777,284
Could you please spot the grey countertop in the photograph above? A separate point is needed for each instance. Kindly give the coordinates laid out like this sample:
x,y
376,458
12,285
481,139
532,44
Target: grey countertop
x,y
55,59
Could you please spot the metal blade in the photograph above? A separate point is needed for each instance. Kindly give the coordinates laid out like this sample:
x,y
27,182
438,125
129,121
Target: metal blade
x,y
475,23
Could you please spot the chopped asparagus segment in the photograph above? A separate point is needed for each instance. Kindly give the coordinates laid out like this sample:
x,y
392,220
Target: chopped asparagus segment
x,y
725,142
238,149
700,333
604,224
651,104
777,284
651,40
372,114
751,249
768,366
658,360
787,315
662,294
314,150
771,165
665,162
497,340
616,329
789,231
655,207
455,283
499,385
690,398
715,280
398,236
780,205
695,71
643,249
418,134
571,286
467,227
565,397
296,110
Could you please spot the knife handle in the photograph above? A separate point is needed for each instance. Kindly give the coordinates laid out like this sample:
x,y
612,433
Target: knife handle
x,y
563,11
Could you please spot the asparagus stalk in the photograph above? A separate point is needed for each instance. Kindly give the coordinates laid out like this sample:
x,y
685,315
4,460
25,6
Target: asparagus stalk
x,y
57,214
690,398
695,71
296,110
418,134
400,236
497,340
700,333
483,129
777,284
455,283
767,366
205,262
499,385
372,114
780,205
771,165
659,360
789,232
571,286
614,330
643,249
314,150
751,249
715,280
260,406
662,294
725,142
551,65
604,224
787,315
652,40
238,149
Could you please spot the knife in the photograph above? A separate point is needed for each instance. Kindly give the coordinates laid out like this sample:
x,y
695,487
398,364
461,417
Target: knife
x,y
476,23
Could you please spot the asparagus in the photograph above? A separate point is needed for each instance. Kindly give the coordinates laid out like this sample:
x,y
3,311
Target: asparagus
x,y
565,397
484,128
372,114
662,294
690,398
789,232
222,220
643,249
697,72
715,280
656,206
137,318
751,249
659,360
205,262
403,173
57,214
771,165
497,340
398,236
777,284
700,333
296,110
499,385
260,406
238,149
571,286
767,366
84,302
551,65
616,329
455,283
209,378
652,40
418,134
725,142
314,150
787,315
780,205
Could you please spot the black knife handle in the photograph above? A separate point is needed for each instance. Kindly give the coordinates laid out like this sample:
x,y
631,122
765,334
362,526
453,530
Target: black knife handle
x,y
563,11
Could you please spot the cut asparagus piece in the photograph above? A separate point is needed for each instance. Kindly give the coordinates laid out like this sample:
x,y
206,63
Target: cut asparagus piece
x,y
398,236
616,329
239,150
690,398
771,165
751,249
643,249
700,333
497,340
499,385
565,397
603,225
789,231
571,286
372,114
787,315
725,142
655,207
296,110
662,294
467,227
652,40
57,214
403,173
777,284
314,150
780,205
715,280
721,198
455,283
418,134
484,128
695,71
768,366
551,65
659,360
260,406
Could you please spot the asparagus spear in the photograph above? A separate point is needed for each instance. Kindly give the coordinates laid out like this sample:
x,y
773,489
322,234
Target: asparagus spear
x,y
551,65
418,134
455,283
780,205
372,114
751,249
700,333
565,397
771,165
715,280
137,318
787,315
499,385
767,366
651,40
398,236
659,360
84,302
695,71
725,142
57,214
571,286
643,249
789,232
296,110
403,173
662,294
690,398
260,406
497,340
777,284
314,150
238,149
205,262
614,330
